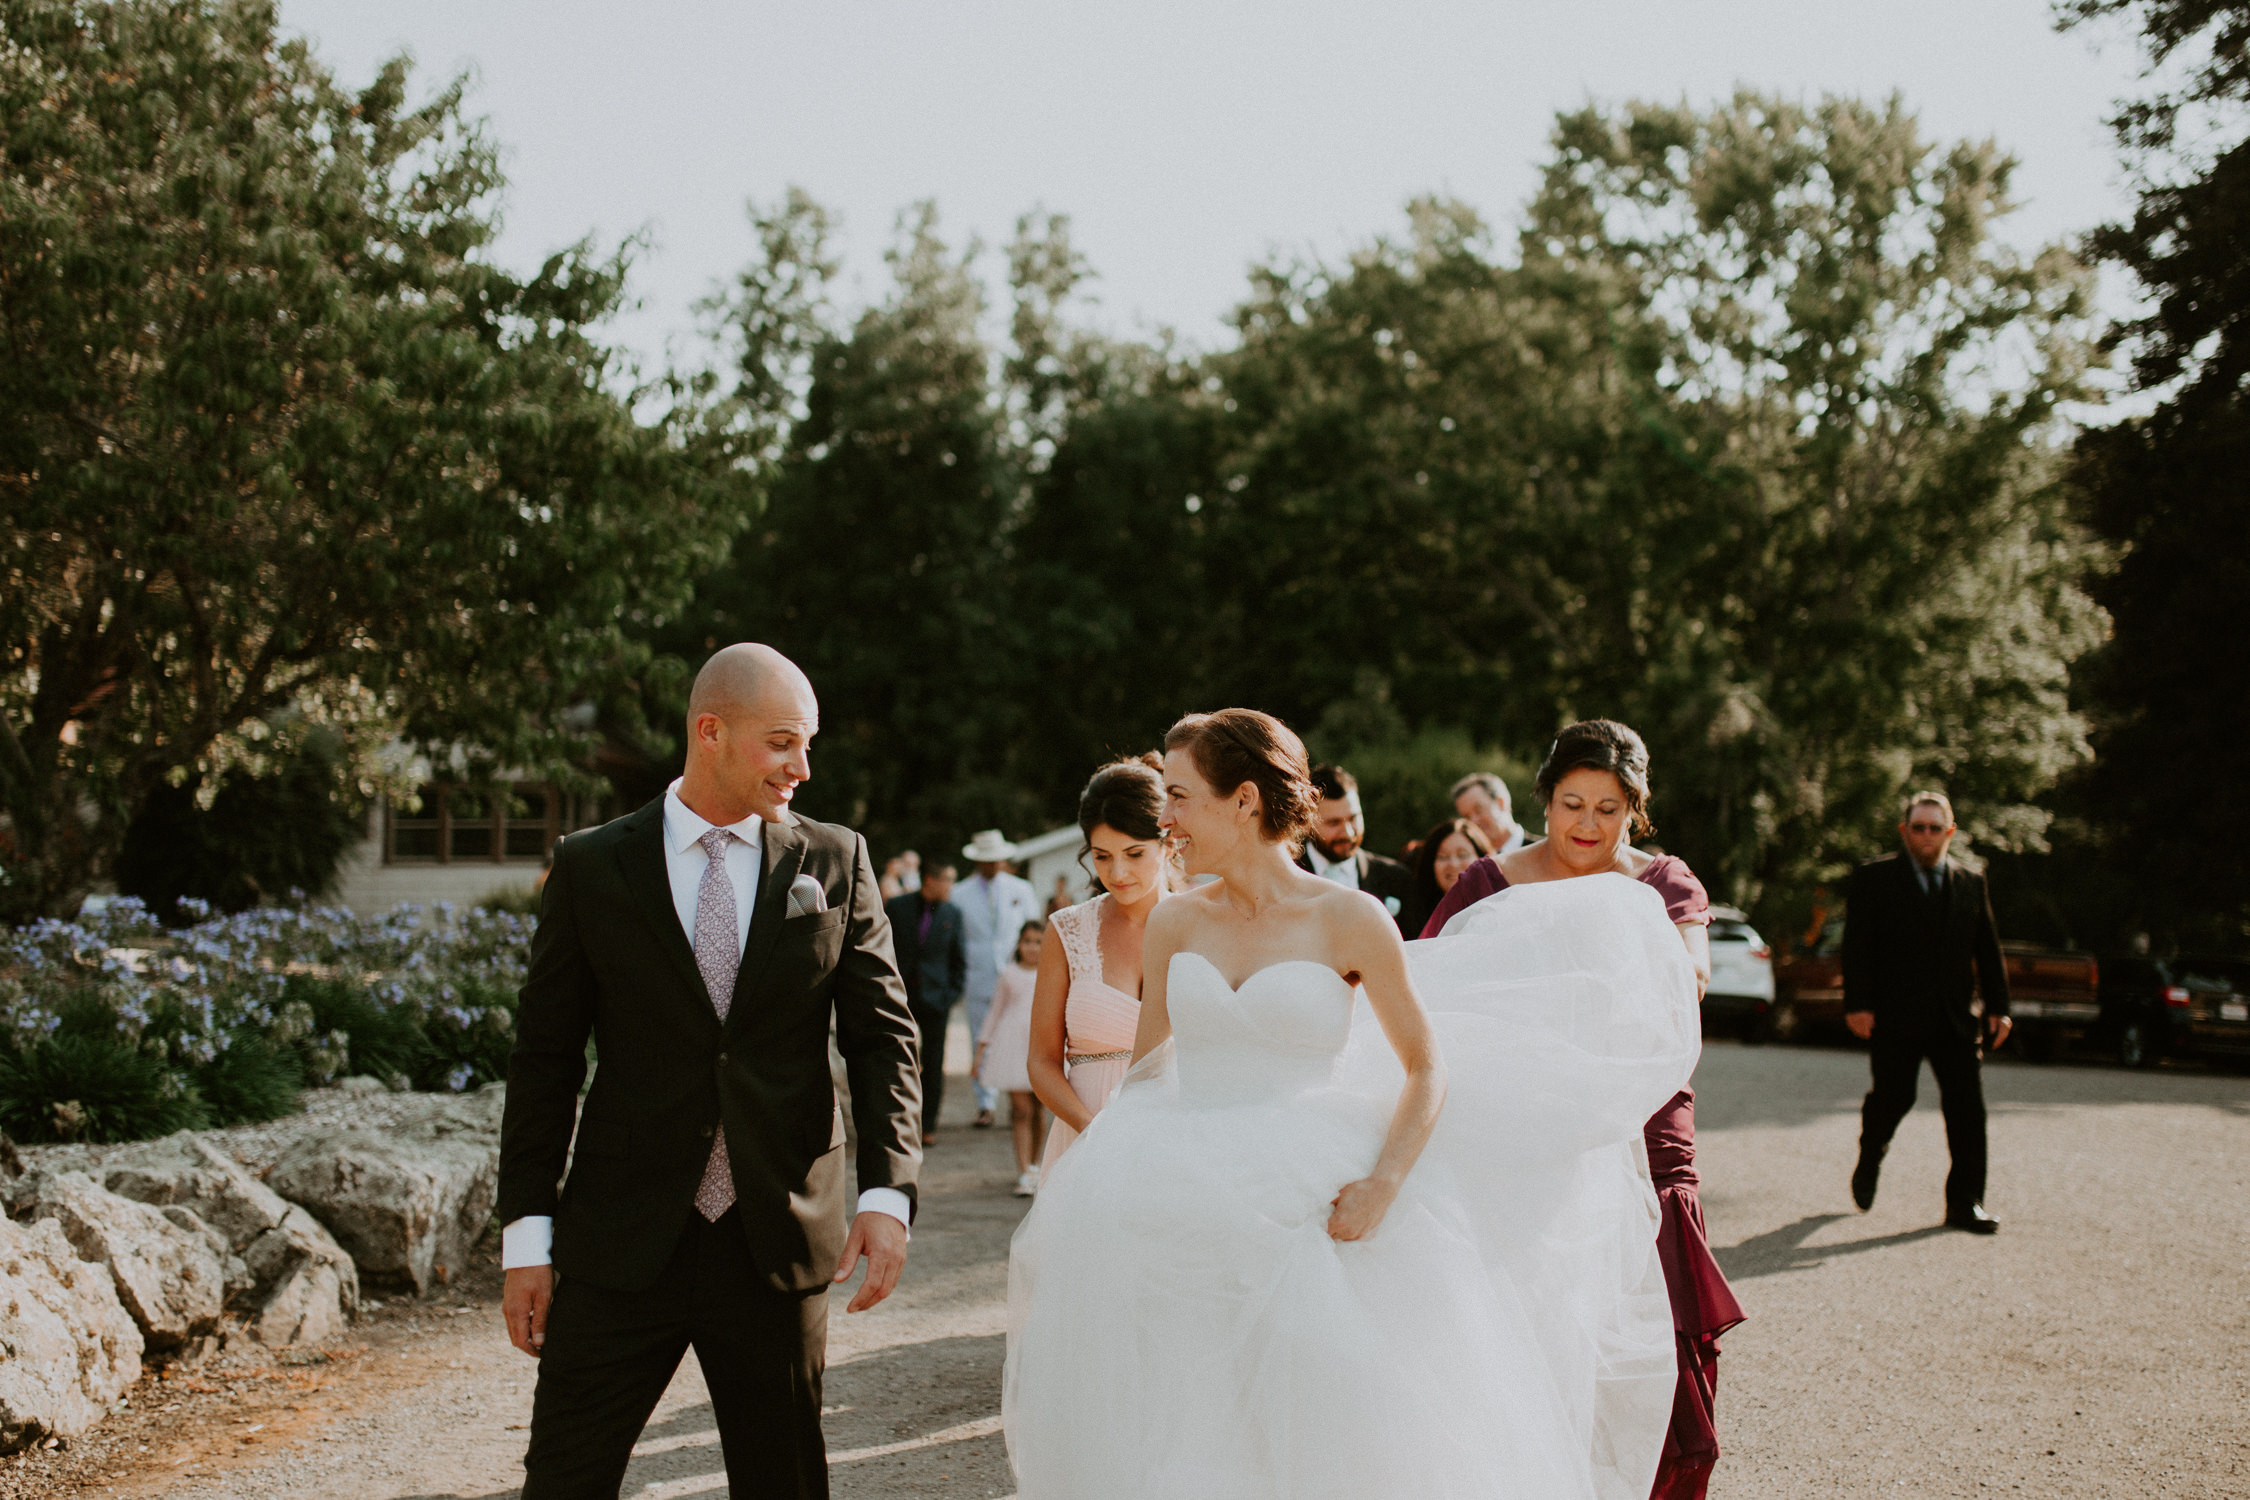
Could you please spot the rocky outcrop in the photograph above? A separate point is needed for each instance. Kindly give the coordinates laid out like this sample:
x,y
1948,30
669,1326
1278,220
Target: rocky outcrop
x,y
171,1274
295,1285
408,1207
68,1348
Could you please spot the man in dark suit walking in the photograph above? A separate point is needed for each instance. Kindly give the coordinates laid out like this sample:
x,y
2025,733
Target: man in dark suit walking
x,y
1333,851
1919,942
933,955
704,944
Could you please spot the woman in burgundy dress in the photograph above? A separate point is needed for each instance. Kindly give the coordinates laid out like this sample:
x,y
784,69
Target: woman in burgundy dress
x,y
1595,786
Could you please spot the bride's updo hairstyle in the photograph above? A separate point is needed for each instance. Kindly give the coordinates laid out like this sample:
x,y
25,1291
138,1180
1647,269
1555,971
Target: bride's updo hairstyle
x,y
1600,745
1236,745
1128,795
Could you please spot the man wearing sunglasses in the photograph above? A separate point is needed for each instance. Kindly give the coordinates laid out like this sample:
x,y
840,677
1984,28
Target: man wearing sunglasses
x,y
1919,945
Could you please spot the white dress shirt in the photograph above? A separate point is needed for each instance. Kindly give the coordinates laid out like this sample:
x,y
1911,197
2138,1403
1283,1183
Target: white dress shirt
x,y
1344,872
529,1241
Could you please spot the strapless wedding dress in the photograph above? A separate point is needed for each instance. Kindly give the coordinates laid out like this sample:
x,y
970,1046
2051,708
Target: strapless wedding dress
x,y
1181,1327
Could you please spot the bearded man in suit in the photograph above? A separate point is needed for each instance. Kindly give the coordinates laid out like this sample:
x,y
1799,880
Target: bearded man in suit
x,y
1919,944
704,944
1333,850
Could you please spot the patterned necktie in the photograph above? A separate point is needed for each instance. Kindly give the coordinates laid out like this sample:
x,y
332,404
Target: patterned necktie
x,y
718,954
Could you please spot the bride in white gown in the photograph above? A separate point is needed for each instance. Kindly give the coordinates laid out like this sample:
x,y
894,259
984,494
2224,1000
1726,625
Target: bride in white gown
x,y
1319,1249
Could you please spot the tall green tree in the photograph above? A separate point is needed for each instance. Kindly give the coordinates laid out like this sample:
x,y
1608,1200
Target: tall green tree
x,y
1747,436
284,452
1753,444
878,561
2171,491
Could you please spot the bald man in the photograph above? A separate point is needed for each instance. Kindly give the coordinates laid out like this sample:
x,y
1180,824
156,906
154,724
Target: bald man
x,y
704,944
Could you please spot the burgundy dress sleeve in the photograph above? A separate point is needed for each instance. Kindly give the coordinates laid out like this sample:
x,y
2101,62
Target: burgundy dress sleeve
x,y
1477,882
1685,900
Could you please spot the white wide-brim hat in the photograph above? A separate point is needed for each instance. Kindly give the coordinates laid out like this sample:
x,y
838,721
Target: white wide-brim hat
x,y
988,848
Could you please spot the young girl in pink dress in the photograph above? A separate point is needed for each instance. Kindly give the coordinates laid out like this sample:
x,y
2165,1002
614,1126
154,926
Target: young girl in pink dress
x,y
1004,1052
1086,1006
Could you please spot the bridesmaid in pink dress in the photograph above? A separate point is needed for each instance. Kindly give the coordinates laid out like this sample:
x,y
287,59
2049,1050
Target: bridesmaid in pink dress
x,y
1595,784
1086,1007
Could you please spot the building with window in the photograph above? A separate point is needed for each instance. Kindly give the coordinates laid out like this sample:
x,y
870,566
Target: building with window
x,y
461,842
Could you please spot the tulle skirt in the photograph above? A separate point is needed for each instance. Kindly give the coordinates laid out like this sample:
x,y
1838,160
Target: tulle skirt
x,y
1181,1325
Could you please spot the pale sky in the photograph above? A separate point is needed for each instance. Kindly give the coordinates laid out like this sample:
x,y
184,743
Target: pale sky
x,y
1185,140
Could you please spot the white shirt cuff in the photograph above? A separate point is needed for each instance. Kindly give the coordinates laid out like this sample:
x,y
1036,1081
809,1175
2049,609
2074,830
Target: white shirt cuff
x,y
882,1200
529,1241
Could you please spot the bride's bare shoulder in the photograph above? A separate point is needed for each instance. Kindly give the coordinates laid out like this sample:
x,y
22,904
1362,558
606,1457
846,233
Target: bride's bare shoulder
x,y
1180,912
1347,910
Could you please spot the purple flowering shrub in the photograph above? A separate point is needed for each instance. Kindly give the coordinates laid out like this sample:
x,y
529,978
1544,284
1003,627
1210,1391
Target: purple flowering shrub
x,y
114,1027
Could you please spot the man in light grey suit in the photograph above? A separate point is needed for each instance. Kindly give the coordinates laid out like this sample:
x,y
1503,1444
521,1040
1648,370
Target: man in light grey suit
x,y
994,906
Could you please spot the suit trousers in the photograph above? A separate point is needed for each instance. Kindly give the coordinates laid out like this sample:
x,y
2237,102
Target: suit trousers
x,y
1896,1052
933,1023
610,1354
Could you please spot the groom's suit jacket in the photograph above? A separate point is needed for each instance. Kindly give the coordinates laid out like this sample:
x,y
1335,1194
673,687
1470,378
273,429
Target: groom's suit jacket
x,y
611,963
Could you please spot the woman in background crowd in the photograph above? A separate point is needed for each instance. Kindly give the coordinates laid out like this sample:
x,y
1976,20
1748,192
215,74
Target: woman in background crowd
x,y
1438,859
901,873
1004,1052
1595,786
1086,1007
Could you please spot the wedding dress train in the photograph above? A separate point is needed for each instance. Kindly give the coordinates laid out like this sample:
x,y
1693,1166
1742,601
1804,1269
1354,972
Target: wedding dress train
x,y
1181,1327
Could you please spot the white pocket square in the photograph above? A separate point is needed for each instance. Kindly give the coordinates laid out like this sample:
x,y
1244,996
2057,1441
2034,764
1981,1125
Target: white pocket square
x,y
806,897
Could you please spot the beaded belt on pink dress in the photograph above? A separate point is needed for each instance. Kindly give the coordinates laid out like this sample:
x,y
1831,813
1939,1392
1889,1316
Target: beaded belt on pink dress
x,y
1094,1057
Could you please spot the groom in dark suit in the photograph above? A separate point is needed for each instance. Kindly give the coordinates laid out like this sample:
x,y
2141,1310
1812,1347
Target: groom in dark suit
x,y
1919,943
704,944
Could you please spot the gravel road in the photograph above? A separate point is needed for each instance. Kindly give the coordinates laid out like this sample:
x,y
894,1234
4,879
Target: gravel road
x,y
2098,1346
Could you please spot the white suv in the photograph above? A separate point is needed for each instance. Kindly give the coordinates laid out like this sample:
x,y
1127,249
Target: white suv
x,y
1741,975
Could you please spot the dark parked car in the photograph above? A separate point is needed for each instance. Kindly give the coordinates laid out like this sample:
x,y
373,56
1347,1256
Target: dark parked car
x,y
2053,997
2155,1006
2052,993
1809,986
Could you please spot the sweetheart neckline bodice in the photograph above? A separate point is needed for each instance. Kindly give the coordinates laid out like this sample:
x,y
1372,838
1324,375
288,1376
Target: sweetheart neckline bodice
x,y
1253,975
1279,1032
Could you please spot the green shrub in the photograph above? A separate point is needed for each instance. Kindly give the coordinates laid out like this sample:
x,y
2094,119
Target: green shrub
x,y
376,1040
260,839
469,1039
517,900
85,1086
252,1080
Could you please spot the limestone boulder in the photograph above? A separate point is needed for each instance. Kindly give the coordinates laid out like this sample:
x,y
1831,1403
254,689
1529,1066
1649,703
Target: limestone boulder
x,y
172,1277
408,1206
288,1278
68,1348
307,1289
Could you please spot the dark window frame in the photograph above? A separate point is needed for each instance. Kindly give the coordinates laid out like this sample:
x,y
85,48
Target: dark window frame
x,y
562,813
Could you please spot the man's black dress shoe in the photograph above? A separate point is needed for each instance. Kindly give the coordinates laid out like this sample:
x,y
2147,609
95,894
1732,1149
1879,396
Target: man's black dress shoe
x,y
1863,1183
1974,1219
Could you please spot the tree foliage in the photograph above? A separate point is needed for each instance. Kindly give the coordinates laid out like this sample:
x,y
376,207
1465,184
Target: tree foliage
x,y
284,451
2170,491
1748,436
